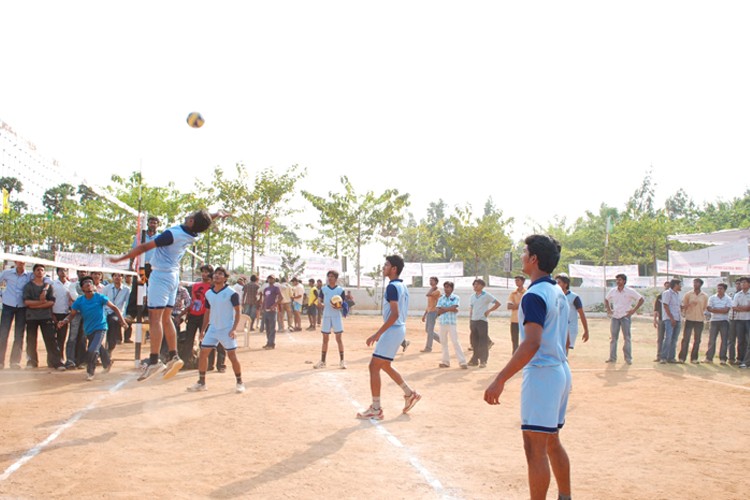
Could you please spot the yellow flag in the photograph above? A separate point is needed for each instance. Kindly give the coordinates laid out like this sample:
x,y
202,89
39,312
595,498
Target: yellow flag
x,y
6,201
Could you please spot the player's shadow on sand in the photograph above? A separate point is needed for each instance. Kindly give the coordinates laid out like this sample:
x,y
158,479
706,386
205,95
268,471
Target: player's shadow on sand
x,y
614,376
316,451
101,438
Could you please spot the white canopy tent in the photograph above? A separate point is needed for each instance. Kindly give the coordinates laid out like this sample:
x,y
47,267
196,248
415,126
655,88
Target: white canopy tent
x,y
728,252
716,238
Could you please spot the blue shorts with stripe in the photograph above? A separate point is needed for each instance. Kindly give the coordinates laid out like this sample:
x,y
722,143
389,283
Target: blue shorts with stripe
x,y
162,289
544,397
329,323
388,344
214,337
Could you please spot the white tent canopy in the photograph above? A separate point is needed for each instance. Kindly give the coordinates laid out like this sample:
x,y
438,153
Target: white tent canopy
x,y
716,238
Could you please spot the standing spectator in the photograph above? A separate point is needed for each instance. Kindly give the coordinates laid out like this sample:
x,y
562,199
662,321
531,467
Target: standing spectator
x,y
250,300
482,304
97,277
670,304
312,305
119,295
741,305
694,305
298,293
429,318
14,312
196,311
319,286
63,299
621,302
734,342
39,299
514,302
576,312
719,306
271,306
659,323
447,309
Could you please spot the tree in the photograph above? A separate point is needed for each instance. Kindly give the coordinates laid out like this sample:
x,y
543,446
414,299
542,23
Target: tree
x,y
482,240
353,220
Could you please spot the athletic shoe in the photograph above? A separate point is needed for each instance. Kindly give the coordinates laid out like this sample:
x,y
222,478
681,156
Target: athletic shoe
x,y
410,401
371,413
222,369
723,363
743,365
464,366
109,367
269,347
482,365
342,364
444,365
70,366
473,363
89,377
151,370
663,362
60,368
694,361
197,387
708,360
426,350
173,366
404,345
630,362
319,364
610,361
239,388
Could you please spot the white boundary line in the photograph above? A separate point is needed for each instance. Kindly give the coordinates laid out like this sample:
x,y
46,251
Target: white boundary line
x,y
34,451
431,480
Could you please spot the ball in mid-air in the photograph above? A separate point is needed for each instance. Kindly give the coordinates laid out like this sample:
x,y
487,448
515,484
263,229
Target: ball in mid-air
x,y
337,302
195,120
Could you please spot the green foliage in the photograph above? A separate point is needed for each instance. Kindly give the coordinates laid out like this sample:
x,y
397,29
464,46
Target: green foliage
x,y
478,241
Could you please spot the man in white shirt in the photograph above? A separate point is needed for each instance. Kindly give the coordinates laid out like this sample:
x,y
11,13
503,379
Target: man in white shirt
x,y
298,292
670,305
63,299
719,306
621,302
741,307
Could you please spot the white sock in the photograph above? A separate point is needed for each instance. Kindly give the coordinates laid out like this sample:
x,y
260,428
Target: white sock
x,y
407,390
376,403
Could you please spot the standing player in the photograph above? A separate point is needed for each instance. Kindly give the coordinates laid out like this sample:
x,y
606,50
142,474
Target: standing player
x,y
576,311
543,320
388,339
90,306
219,325
162,286
332,318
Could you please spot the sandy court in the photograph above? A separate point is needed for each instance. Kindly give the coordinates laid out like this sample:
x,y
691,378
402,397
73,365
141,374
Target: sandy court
x,y
642,431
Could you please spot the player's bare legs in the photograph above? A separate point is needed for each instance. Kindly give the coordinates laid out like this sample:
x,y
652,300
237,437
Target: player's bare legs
x,y
169,330
535,446
155,328
558,459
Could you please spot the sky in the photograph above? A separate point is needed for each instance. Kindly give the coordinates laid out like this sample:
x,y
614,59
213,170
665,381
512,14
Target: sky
x,y
550,108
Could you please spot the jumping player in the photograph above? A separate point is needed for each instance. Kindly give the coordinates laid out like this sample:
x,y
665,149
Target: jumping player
x,y
332,319
388,339
543,320
162,286
219,325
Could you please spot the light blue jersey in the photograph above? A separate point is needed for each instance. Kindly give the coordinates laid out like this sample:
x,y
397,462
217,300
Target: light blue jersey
x,y
221,309
170,247
328,294
389,343
544,304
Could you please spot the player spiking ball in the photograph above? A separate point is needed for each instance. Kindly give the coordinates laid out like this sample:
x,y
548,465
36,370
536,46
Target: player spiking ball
x,y
162,288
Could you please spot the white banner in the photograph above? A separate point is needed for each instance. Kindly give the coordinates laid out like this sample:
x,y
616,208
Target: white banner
x,y
441,270
597,272
711,261
463,281
90,260
268,261
411,269
319,266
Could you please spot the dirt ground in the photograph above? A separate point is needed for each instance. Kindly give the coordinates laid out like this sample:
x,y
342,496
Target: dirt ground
x,y
644,431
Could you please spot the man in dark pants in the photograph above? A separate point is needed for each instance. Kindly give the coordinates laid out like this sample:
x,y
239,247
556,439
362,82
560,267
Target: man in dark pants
x,y
39,299
14,312
659,324
271,305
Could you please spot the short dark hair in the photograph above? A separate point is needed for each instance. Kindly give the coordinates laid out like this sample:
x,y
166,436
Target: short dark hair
x,y
547,251
449,283
63,269
722,285
519,277
745,278
85,279
332,272
434,278
673,283
253,278
480,281
625,278
221,270
201,221
36,266
153,217
396,261
698,280
208,268
564,278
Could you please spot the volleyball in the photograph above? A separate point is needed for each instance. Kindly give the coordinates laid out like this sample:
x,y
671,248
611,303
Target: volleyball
x,y
195,120
336,302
